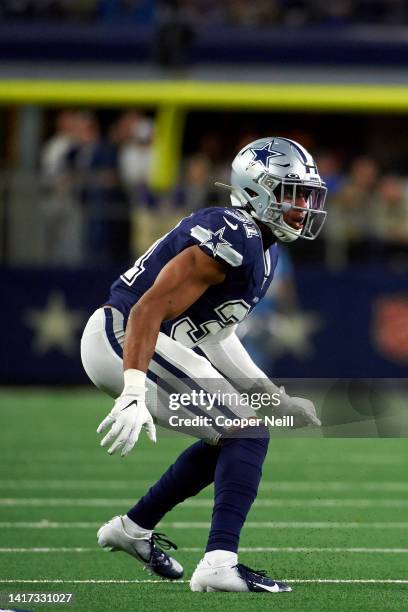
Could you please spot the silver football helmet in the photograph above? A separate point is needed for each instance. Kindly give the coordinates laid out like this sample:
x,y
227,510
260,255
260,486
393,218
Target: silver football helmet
x,y
268,177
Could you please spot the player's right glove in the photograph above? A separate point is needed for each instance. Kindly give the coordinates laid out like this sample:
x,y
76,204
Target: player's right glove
x,y
128,416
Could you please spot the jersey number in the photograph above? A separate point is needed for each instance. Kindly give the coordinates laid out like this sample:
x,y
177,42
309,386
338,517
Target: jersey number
x,y
138,267
188,334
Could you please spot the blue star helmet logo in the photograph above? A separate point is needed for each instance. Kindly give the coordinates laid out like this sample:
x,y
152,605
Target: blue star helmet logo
x,y
264,154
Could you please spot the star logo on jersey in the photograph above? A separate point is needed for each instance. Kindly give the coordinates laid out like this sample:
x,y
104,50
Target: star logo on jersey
x,y
264,154
215,240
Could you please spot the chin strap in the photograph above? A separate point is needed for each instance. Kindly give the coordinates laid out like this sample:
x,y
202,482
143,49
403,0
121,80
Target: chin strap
x,y
285,233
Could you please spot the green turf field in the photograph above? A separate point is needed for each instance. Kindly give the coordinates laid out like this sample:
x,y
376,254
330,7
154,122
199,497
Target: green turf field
x,y
331,517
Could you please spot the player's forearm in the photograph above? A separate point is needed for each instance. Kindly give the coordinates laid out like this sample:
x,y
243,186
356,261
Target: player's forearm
x,y
142,331
232,359
180,283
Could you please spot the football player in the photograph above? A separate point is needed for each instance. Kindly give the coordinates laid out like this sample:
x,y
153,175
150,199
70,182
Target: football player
x,y
169,326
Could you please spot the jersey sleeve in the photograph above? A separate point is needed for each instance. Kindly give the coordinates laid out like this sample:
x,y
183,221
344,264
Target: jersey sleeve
x,y
221,237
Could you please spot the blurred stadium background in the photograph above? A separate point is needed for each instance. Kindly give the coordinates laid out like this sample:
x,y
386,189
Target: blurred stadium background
x,y
116,118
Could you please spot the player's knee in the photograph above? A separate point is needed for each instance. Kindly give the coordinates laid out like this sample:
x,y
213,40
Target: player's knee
x,y
259,433
256,443
253,440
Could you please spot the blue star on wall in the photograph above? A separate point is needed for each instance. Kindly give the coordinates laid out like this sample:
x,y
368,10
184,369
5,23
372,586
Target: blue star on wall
x,y
215,240
264,154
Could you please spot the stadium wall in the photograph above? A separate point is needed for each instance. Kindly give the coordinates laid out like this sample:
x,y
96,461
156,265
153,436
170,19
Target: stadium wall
x,y
359,320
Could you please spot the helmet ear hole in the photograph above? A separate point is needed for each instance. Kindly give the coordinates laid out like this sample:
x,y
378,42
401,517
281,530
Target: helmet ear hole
x,y
277,192
251,192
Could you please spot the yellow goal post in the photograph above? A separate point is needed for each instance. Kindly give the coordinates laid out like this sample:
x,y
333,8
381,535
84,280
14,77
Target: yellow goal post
x,y
172,99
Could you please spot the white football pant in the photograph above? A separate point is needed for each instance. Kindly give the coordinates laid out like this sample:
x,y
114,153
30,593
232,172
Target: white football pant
x,y
174,369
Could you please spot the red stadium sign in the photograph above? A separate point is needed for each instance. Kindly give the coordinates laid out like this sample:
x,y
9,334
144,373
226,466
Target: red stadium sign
x,y
390,327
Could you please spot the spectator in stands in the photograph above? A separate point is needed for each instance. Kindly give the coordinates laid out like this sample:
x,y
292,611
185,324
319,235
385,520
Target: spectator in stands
x,y
174,33
95,172
331,172
391,217
196,189
133,133
56,148
49,9
177,19
351,207
249,14
62,221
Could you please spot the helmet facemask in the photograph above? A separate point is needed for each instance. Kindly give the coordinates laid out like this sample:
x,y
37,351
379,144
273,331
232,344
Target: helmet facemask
x,y
283,194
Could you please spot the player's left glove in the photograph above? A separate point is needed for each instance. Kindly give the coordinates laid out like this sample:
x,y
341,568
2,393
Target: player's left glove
x,y
302,409
128,416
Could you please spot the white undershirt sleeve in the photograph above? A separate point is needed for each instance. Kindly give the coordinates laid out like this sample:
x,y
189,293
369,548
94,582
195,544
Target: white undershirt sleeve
x,y
233,361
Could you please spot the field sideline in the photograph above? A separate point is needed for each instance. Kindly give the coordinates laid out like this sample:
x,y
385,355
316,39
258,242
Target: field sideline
x,y
331,517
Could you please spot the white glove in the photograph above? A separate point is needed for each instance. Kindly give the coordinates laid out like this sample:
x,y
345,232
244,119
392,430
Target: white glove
x,y
302,410
128,416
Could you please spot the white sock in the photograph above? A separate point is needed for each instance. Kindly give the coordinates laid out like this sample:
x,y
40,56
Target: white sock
x,y
218,558
133,529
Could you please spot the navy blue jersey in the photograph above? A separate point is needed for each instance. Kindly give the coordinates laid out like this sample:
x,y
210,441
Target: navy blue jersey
x,y
231,237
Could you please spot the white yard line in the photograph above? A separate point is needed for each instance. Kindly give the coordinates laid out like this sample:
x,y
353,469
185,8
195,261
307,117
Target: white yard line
x,y
296,525
92,457
45,524
64,501
61,549
45,502
312,503
313,549
274,549
335,485
290,580
71,484
289,486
